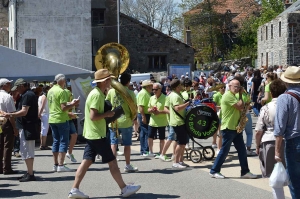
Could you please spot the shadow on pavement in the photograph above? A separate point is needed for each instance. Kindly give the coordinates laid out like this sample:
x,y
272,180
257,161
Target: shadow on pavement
x,y
163,171
144,196
9,193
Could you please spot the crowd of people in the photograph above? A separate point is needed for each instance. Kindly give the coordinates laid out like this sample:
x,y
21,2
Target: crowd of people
x,y
271,94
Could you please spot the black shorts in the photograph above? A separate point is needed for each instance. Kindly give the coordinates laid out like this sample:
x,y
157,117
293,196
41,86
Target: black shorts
x,y
101,147
181,134
153,131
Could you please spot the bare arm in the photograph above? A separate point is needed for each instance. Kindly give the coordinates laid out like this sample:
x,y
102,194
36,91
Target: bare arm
x,y
240,104
94,115
41,108
20,113
141,109
258,137
181,106
265,98
278,143
65,107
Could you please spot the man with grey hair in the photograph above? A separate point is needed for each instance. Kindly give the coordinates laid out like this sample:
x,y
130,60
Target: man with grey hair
x,y
158,118
9,128
287,126
58,120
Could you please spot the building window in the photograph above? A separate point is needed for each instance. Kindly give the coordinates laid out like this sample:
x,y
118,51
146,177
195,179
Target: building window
x,y
266,32
279,29
98,16
271,31
30,46
261,35
157,62
95,45
262,60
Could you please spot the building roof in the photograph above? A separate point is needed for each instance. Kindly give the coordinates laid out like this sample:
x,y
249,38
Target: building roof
x,y
237,8
152,29
294,7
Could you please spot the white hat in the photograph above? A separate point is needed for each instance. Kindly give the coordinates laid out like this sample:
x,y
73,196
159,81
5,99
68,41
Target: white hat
x,y
187,73
291,75
4,81
130,84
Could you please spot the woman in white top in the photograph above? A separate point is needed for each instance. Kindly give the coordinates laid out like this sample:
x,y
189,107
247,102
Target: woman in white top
x,y
265,139
43,114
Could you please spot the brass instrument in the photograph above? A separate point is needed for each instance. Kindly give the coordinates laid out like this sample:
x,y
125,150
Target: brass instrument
x,y
243,118
115,58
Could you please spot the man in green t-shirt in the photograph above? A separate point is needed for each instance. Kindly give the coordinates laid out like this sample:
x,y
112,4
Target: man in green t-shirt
x,y
124,124
177,115
231,107
158,118
94,131
143,115
58,119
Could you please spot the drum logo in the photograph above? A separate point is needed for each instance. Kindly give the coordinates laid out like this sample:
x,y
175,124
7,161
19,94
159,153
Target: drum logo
x,y
199,112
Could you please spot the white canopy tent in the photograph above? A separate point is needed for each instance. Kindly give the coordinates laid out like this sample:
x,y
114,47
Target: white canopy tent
x,y
15,64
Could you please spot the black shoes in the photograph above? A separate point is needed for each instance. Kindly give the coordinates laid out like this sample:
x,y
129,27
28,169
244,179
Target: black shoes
x,y
26,178
10,172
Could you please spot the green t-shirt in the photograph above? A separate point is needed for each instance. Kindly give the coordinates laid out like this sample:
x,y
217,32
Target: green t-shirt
x,y
267,89
245,97
230,115
217,97
167,104
159,120
176,99
57,96
143,100
116,100
93,130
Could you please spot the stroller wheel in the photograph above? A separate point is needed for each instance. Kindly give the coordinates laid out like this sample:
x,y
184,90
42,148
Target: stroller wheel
x,y
195,156
208,152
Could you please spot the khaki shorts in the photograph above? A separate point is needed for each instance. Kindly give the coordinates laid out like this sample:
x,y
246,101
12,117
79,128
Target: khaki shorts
x,y
26,146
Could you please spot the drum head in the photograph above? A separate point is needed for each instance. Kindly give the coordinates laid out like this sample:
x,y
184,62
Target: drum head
x,y
201,122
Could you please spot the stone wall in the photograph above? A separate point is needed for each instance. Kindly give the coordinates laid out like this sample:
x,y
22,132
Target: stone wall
x,y
62,29
3,24
279,50
143,42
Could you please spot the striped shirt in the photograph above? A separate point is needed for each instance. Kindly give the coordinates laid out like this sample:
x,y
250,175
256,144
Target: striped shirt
x,y
287,118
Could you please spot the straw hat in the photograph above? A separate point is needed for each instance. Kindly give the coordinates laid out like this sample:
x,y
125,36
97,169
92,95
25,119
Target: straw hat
x,y
291,75
146,83
101,75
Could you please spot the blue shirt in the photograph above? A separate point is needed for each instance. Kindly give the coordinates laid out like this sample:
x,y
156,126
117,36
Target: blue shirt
x,y
287,117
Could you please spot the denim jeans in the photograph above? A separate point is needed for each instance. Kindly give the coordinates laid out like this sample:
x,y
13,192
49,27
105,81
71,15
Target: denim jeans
x,y
249,130
144,133
292,158
60,134
230,136
256,107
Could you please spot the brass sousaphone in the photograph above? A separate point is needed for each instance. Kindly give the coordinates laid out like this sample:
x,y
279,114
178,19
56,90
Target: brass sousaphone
x,y
115,58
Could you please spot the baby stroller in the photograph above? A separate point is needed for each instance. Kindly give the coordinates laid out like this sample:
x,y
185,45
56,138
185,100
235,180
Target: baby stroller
x,y
201,122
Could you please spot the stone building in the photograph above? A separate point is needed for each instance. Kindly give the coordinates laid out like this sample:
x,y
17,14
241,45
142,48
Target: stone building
x,y
57,30
278,41
4,23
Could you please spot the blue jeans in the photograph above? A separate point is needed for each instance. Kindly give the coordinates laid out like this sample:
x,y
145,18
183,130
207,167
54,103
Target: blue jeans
x,y
256,107
292,158
144,133
249,131
230,136
60,134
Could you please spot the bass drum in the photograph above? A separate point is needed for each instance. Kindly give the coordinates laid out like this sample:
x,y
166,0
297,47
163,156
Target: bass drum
x,y
201,122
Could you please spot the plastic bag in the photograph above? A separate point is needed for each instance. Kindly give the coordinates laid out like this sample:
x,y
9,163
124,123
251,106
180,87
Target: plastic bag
x,y
279,177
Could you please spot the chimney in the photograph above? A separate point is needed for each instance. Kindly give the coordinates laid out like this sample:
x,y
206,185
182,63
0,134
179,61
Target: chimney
x,y
188,39
287,4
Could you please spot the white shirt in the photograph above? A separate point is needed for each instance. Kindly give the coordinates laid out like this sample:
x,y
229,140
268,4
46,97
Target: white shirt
x,y
6,102
46,107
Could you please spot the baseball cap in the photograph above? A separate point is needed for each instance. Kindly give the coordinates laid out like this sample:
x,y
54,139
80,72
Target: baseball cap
x,y
18,82
4,81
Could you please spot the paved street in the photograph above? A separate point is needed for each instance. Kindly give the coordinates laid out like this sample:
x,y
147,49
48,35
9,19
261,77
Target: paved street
x,y
157,178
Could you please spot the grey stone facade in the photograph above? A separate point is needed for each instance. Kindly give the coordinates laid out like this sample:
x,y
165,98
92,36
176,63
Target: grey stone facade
x,y
4,23
151,50
279,40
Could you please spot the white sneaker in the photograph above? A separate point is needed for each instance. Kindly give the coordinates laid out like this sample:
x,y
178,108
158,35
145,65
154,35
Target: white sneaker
x,y
63,169
130,168
217,175
157,156
164,158
98,157
214,146
172,157
129,190
120,153
54,168
251,153
75,193
151,154
71,157
218,151
145,154
178,166
249,175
